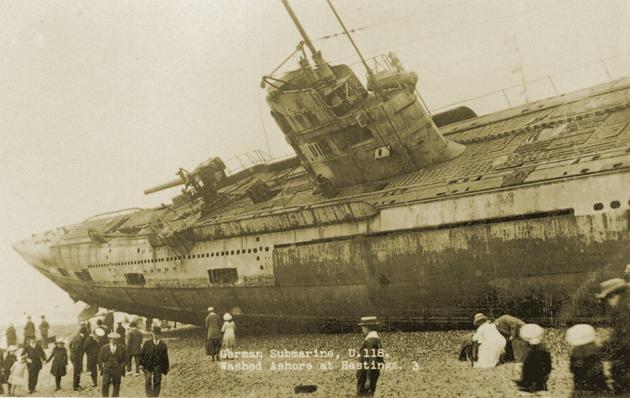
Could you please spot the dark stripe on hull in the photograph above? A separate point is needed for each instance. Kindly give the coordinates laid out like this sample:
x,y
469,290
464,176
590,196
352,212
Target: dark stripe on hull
x,y
547,269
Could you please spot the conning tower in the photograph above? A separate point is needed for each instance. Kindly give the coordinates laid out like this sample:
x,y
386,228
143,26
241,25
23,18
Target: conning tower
x,y
345,133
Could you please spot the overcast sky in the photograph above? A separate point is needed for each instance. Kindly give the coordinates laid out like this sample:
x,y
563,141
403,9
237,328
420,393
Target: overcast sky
x,y
102,99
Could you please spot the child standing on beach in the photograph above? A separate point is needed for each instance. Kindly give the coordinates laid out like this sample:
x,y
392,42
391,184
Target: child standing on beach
x,y
586,361
537,363
19,375
59,357
229,335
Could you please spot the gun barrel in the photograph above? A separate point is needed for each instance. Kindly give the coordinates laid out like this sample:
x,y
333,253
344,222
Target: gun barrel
x,y
166,185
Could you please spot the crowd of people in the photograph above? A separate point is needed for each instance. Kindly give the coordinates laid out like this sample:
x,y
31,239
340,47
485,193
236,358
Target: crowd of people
x,y
509,339
108,352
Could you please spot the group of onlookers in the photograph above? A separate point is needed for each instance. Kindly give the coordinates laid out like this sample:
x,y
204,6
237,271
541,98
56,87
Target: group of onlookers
x,y
112,352
20,366
510,339
108,352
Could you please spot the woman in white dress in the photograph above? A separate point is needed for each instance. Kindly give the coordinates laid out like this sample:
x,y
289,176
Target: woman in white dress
x,y
491,342
229,336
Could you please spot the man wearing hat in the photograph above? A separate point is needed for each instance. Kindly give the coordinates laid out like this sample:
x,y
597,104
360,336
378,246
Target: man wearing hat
x,y
112,357
154,362
371,357
77,349
617,348
29,330
585,361
11,335
213,339
92,349
35,357
44,326
134,347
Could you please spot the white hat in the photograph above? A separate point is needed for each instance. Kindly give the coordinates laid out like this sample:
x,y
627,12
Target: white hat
x,y
580,334
479,319
532,333
227,316
369,320
12,348
210,309
113,335
60,340
99,332
611,286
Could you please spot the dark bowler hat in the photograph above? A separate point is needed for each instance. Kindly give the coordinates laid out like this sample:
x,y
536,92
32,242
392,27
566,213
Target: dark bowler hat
x,y
156,330
368,320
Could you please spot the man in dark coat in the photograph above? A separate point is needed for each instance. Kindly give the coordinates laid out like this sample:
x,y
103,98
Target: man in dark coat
x,y
134,347
509,327
154,363
109,320
35,357
120,329
617,347
43,331
92,348
77,350
371,357
112,356
11,335
213,339
29,330
537,363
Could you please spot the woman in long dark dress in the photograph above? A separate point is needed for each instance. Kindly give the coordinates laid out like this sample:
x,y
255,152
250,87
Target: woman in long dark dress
x,y
59,356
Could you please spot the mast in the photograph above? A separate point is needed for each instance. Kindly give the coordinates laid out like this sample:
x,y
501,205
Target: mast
x,y
324,68
343,26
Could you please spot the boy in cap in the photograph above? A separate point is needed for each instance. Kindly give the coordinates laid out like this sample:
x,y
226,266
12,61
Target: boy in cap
x,y
154,362
537,363
59,357
112,356
371,357
617,348
586,361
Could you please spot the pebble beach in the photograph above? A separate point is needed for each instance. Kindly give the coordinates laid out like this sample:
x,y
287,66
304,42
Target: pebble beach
x,y
420,364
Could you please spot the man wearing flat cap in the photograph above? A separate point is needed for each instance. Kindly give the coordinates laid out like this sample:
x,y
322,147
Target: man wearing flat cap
x,y
154,362
617,348
371,357
113,359
213,339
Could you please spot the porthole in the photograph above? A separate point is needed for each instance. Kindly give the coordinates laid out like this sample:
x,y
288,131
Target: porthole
x,y
615,204
238,251
261,267
617,165
231,252
257,258
584,171
255,250
598,206
267,248
211,254
249,250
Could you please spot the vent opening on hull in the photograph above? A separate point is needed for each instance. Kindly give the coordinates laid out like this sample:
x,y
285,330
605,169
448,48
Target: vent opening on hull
x,y
84,275
135,279
223,275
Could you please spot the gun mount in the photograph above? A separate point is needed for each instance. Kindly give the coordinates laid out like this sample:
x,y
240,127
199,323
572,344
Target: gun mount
x,y
203,182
